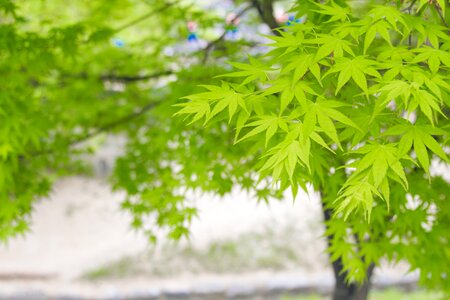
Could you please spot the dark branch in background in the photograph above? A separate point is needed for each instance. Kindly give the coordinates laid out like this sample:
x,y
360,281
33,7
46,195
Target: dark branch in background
x,y
106,127
409,10
343,289
113,124
145,16
265,11
409,7
440,13
133,78
121,78
210,46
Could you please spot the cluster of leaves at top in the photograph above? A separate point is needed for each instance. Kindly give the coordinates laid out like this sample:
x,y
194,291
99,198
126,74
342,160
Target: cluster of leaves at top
x,y
354,102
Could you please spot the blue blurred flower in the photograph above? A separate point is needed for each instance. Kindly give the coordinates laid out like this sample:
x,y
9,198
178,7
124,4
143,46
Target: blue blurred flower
x,y
292,19
192,37
119,43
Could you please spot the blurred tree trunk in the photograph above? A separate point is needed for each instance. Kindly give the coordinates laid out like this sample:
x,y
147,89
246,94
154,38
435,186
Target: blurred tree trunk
x,y
265,11
342,289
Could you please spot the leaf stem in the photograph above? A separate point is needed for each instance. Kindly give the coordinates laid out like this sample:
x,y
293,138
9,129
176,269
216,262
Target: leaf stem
x,y
439,11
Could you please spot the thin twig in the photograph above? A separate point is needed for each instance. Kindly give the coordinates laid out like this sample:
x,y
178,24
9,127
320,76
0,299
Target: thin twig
x,y
121,78
113,124
439,11
145,16
409,7
213,43
133,78
103,128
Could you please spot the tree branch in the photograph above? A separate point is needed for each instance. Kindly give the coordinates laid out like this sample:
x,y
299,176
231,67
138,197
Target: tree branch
x,y
409,7
106,127
133,78
145,16
439,11
213,43
121,78
265,11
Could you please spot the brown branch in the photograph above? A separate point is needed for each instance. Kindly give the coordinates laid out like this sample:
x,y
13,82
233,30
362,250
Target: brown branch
x,y
265,11
213,43
121,78
104,128
133,78
145,16
342,288
409,10
409,7
113,124
439,11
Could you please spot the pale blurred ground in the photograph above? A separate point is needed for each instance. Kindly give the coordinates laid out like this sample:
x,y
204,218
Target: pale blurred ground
x,y
81,242
82,226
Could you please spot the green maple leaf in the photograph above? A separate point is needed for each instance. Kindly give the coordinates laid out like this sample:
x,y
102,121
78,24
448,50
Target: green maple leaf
x,y
419,136
356,68
329,44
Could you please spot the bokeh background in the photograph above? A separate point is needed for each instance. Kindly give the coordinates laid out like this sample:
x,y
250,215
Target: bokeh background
x,y
81,245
